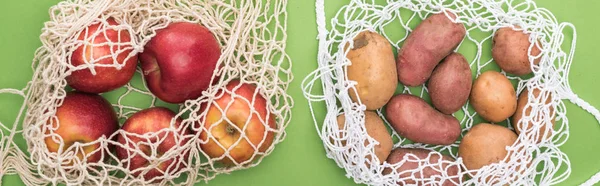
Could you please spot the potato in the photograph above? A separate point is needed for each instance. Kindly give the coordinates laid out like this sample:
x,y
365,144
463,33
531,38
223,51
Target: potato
x,y
398,155
373,68
450,84
485,144
377,130
544,132
415,120
510,50
426,46
493,97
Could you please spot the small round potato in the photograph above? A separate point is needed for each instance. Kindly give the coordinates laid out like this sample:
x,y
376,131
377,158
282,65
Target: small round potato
x,y
544,131
493,97
377,130
373,68
485,144
510,50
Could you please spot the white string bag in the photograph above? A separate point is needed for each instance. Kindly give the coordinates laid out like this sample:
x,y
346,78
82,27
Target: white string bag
x,y
253,37
478,16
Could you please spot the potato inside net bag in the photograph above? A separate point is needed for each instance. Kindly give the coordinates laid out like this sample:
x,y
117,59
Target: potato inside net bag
x,y
253,74
527,163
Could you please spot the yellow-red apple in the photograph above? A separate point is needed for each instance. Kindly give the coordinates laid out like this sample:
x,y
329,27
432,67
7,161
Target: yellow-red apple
x,y
179,62
152,121
99,45
82,118
233,116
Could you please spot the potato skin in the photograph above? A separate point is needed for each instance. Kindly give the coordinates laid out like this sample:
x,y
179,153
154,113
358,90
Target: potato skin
x,y
426,46
450,84
398,154
415,120
510,51
485,144
544,132
493,97
377,130
373,68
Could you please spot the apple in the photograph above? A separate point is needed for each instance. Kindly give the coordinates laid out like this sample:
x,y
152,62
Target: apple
x,y
179,62
96,47
152,121
82,118
243,113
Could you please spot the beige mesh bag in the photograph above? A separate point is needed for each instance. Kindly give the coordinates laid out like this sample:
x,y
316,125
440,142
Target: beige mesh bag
x,y
530,163
252,35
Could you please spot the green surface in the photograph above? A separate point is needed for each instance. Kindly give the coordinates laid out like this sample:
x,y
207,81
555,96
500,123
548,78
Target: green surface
x,y
300,159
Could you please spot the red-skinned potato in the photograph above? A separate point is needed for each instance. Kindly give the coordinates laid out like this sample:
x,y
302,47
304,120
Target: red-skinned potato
x,y
415,120
426,46
510,51
414,155
450,84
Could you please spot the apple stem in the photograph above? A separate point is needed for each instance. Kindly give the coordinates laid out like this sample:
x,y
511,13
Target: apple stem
x,y
230,129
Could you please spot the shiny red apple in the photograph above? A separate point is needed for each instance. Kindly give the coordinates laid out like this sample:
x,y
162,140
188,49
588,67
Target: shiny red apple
x,y
243,113
151,121
100,42
179,62
82,118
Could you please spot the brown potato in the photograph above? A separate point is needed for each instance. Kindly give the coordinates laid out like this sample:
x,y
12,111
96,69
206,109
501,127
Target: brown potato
x,y
510,50
450,84
544,132
485,144
398,155
377,130
426,46
373,68
415,120
493,97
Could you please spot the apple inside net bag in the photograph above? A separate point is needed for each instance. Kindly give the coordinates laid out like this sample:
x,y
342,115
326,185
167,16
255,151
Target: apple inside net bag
x,y
222,62
489,154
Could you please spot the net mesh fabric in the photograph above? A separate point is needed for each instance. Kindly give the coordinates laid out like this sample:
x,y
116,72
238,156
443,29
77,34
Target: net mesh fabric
x,y
252,35
528,162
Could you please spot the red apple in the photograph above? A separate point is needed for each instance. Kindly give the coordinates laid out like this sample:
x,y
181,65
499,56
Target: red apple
x,y
179,62
247,110
151,120
98,48
82,118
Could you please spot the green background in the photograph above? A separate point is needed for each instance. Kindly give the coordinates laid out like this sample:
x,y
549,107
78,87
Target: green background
x,y
300,159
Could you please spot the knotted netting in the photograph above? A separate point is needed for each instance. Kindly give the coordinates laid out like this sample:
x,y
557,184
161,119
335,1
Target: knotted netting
x,y
252,35
529,161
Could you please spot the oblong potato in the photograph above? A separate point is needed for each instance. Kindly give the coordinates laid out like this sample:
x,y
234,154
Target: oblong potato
x,y
406,174
415,120
373,68
544,132
377,130
431,41
485,144
493,97
450,84
510,51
